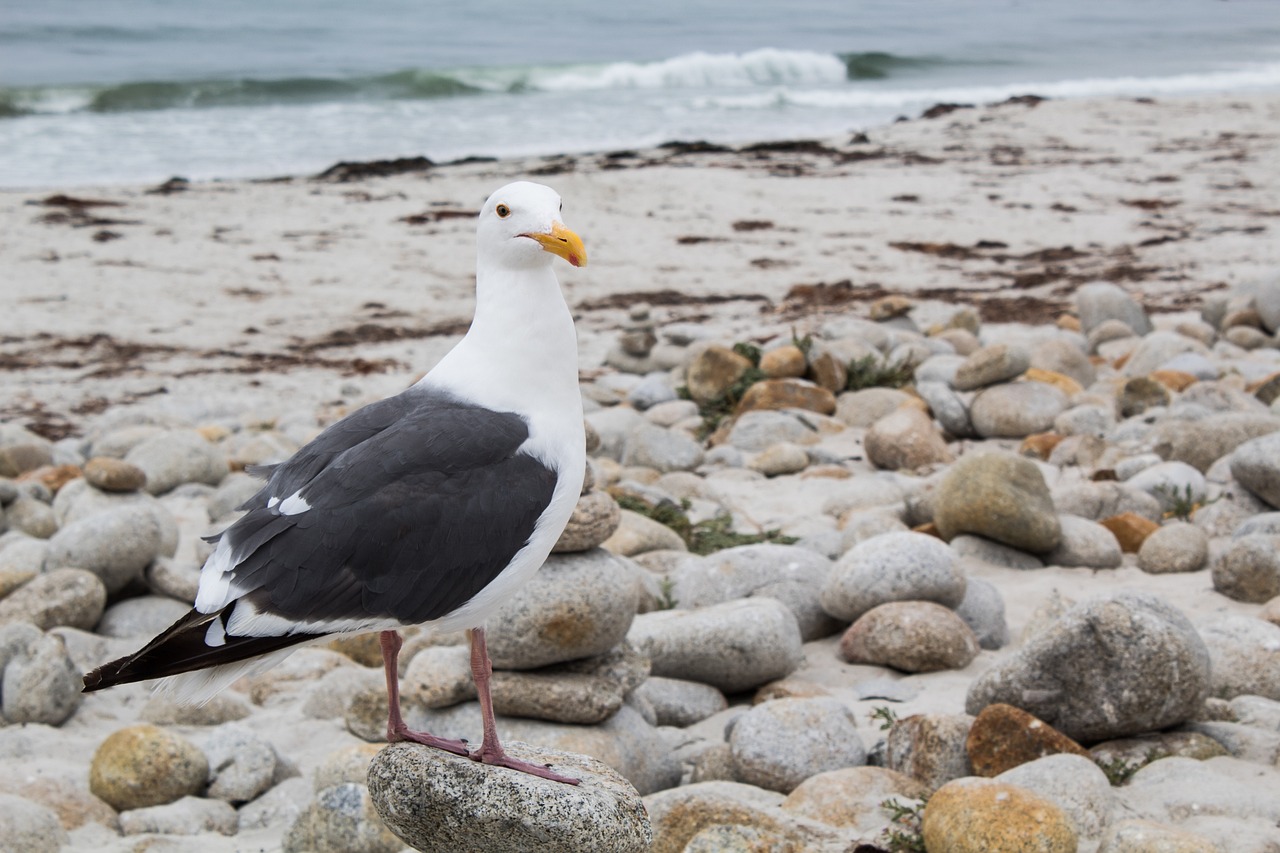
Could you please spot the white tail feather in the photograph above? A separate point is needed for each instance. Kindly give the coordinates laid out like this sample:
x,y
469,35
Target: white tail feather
x,y
197,688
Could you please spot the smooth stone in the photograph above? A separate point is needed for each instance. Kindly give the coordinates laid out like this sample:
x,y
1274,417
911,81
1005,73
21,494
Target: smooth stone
x,y
71,597
865,407
116,545
1249,569
557,697
906,438
1130,530
984,816
1004,737
1136,752
947,406
982,609
1156,349
680,814
671,413
20,555
1177,546
32,517
773,394
662,449
144,765
712,372
1244,742
942,368
783,362
776,745
172,458
1255,464
732,646
1085,544
1109,667
576,606
1173,789
187,816
1066,356
1245,655
851,797
436,801
145,615
226,707
1146,836
827,369
439,676
612,425
340,819
912,636
175,578
1200,443
1105,499
242,764
639,534
1171,483
681,703
78,500
930,748
1074,784
989,365
28,827
779,459
999,496
41,684
968,547
904,566
1098,302
278,808
114,475
595,518
756,430
1016,409
653,390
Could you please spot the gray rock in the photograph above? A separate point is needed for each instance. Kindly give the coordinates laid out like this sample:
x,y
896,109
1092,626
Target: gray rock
x,y
991,364
1066,356
756,430
613,425
558,697
1016,410
905,439
21,553
226,707
968,547
242,764
1244,742
1100,301
1156,349
1175,547
779,459
892,567
982,609
1109,667
1246,657
912,636
1267,522
174,457
33,517
681,703
638,534
578,605
177,579
440,802
1074,784
865,407
1170,483
1200,443
1257,711
930,748
1249,569
778,744
1142,836
594,520
1255,464
1085,544
341,819
652,390
732,646
1104,499
1085,420
278,807
116,545
40,684
187,816
78,500
1172,789
1000,496
947,407
662,449
146,615
70,597
235,489
439,676
1112,331
28,827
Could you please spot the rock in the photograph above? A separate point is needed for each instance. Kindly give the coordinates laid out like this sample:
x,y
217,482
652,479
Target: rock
x,y
1249,569
114,475
1244,742
732,646
779,459
947,406
611,426
1171,483
594,520
1003,737
144,616
187,816
28,827
851,797
1145,836
905,438
1109,667
174,457
788,394
827,369
1101,301
755,431
662,449
439,676
1085,544
1134,753
639,534
342,818
984,816
991,364
1201,443
41,683
19,458
1156,349
1130,530
1140,394
783,362
144,765
576,606
864,407
1074,784
912,636
116,545
1172,790
31,516
1246,657
999,496
1065,356
778,744
1016,410
1105,499
712,372
436,801
278,808
930,748
241,764
1255,464
678,815
558,697
226,707
1176,547
653,390
681,703
61,597
982,609
21,559
903,566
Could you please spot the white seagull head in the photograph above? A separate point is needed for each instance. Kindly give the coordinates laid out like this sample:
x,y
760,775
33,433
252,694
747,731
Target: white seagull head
x,y
520,228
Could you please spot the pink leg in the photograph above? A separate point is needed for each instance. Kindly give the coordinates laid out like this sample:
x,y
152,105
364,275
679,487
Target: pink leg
x,y
490,751
396,729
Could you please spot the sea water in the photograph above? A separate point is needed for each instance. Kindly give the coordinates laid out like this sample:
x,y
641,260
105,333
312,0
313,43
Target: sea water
x,y
112,91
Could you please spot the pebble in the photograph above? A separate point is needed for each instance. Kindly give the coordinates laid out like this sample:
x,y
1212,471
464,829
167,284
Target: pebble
x,y
1201,443
595,518
990,365
1065,355
783,362
187,816
757,430
985,816
114,475
681,703
948,408
71,597
242,764
733,646
1004,737
906,438
174,457
912,636
678,815
1256,465
892,567
653,390
788,394
930,748
144,616
851,797
712,371
340,819
28,827
1156,349
439,676
1085,544
1177,546
779,459
436,801
1105,499
639,534
1109,667
1245,655
1145,836
1098,302
144,765
1172,790
999,496
865,407
1016,410
557,697
1075,784
778,744
116,545
982,609
41,683
31,516
1249,569
225,707
661,449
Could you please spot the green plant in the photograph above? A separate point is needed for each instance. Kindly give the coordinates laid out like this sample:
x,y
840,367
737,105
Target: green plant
x,y
1118,770
904,835
666,598
749,351
1182,503
870,372
886,715
714,413
804,344
701,537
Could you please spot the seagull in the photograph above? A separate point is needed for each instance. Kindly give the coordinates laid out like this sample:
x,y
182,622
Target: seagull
x,y
431,507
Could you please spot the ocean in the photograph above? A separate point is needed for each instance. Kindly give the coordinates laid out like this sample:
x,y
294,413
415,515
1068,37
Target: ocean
x,y
96,92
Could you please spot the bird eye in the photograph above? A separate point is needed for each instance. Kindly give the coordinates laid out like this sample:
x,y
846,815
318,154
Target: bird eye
x,y
503,211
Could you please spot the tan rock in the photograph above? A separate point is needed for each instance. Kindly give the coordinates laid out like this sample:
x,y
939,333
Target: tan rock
x,y
888,307
1000,496
1003,737
146,765
783,362
54,477
114,475
1146,836
364,649
1174,380
678,814
1061,381
912,636
560,697
852,796
712,373
18,459
930,748
1068,322
594,520
1130,530
827,370
1271,611
981,816
1040,445
788,394
906,438
789,688
637,534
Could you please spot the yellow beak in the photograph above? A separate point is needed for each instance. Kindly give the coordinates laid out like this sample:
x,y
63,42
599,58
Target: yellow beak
x,y
563,242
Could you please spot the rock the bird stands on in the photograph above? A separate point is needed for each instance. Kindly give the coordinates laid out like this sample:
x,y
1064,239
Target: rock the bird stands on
x,y
429,507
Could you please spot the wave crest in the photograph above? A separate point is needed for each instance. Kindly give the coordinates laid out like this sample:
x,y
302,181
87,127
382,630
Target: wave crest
x,y
764,67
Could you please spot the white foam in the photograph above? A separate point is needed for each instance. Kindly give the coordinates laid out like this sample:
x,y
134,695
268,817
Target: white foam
x,y
764,67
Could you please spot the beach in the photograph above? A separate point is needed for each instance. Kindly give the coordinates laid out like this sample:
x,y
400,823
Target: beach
x,y
285,303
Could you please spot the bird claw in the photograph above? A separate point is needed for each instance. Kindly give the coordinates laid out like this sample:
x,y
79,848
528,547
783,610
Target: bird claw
x,y
457,747
498,758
